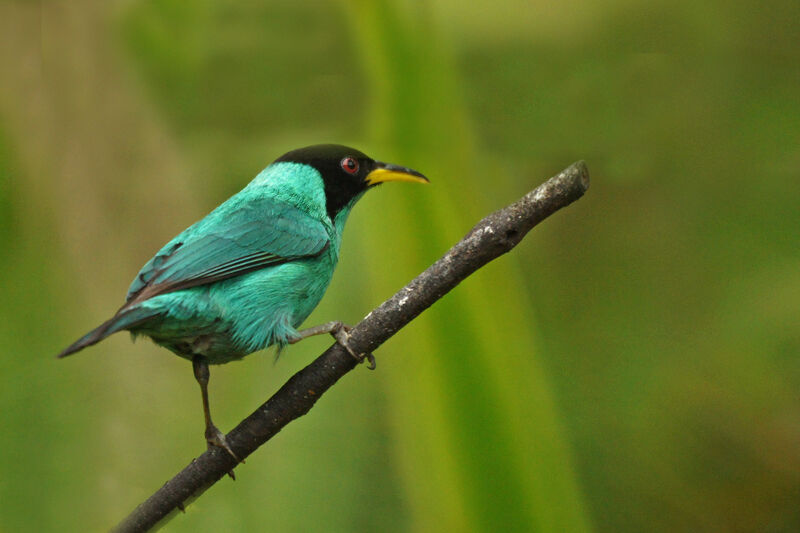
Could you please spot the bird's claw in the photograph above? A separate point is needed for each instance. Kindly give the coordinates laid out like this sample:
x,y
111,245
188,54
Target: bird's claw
x,y
342,336
214,437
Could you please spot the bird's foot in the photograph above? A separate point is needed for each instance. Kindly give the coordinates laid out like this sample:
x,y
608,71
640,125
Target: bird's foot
x,y
214,437
341,333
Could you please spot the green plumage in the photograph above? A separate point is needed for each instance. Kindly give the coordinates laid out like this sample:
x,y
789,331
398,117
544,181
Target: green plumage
x,y
259,264
248,274
234,317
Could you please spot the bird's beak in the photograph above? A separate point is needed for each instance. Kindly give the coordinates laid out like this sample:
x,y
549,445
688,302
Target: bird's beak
x,y
387,172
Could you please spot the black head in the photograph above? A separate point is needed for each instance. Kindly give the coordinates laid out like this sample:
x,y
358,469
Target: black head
x,y
347,172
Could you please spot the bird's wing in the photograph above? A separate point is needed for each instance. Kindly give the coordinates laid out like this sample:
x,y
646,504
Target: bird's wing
x,y
236,238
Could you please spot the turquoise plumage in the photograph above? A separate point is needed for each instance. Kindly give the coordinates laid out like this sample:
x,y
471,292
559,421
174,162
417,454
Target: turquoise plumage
x,y
249,273
259,306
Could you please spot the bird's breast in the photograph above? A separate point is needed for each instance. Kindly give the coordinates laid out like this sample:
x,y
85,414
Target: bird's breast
x,y
264,307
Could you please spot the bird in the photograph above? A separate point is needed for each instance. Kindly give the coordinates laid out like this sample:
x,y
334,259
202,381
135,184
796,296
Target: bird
x,y
248,274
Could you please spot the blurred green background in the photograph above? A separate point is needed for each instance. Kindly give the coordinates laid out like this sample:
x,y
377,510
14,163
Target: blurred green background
x,y
631,366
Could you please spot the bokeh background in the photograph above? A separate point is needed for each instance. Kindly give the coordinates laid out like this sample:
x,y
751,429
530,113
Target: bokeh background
x,y
632,366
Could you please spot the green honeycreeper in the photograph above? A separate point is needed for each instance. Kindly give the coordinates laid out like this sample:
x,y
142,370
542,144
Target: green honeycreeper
x,y
250,272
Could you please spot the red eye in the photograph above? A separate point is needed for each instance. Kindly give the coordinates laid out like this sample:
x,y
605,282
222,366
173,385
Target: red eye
x,y
350,165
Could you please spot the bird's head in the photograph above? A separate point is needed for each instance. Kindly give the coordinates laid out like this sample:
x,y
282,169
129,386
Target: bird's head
x,y
347,173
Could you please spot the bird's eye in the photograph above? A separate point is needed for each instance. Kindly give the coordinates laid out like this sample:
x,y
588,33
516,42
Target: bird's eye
x,y
350,165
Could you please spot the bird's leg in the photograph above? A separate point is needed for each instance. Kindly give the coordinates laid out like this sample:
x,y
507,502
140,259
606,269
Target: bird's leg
x,y
340,332
214,436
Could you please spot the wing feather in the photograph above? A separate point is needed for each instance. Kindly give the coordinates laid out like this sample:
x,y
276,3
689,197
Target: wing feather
x,y
236,238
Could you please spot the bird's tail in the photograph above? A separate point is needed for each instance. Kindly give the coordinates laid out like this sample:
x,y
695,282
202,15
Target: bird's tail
x,y
124,319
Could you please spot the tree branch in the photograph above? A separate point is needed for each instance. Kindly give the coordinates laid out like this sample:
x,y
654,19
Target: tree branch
x,y
493,236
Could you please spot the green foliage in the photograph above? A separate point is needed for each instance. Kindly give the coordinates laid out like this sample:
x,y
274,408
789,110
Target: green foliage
x,y
6,215
632,366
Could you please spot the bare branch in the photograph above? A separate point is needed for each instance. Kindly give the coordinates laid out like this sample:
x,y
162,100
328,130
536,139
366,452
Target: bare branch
x,y
493,236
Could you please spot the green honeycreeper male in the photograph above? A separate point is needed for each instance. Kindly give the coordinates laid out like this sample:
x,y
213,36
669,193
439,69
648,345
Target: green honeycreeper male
x,y
249,273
